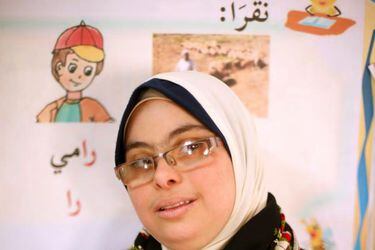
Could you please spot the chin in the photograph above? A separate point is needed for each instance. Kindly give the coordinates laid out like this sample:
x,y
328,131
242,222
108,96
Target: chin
x,y
75,89
181,236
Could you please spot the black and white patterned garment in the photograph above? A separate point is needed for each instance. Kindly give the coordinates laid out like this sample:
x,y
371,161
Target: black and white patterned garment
x,y
265,231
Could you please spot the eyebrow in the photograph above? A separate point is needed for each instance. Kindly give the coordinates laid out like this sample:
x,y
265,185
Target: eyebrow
x,y
184,129
174,133
74,59
137,144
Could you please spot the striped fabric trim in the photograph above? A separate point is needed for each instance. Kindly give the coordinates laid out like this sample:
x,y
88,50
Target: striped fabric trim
x,y
364,165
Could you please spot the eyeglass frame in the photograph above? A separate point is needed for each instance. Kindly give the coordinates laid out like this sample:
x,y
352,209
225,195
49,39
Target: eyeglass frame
x,y
213,141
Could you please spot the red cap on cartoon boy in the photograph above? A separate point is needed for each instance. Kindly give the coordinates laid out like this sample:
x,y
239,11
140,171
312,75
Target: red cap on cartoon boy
x,y
86,41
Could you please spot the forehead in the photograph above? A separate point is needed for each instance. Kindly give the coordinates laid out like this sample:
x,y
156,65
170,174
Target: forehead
x,y
154,120
73,57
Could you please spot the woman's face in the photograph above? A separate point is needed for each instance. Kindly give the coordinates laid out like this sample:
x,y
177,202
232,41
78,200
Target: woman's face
x,y
181,209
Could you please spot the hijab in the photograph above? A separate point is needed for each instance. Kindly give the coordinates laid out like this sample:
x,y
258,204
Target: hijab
x,y
213,103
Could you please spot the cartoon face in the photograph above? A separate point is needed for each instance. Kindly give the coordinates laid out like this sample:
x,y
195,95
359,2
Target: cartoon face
x,y
323,3
76,74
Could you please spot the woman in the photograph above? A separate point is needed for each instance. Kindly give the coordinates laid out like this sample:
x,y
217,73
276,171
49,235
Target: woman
x,y
186,152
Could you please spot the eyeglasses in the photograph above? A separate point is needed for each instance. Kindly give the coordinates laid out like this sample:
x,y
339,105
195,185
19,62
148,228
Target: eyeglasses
x,y
186,156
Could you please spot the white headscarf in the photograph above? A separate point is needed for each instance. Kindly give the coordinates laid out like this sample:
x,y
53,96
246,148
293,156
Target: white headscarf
x,y
235,123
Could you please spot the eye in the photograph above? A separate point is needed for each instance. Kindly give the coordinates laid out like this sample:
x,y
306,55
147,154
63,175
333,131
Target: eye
x,y
87,70
143,163
191,148
72,67
190,153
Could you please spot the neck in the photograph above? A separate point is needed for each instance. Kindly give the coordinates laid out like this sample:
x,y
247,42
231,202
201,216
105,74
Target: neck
x,y
74,95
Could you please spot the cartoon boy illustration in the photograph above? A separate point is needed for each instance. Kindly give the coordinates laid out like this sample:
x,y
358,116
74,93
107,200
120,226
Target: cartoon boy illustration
x,y
78,57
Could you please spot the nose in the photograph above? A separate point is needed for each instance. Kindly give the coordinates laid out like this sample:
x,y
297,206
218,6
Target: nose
x,y
79,76
165,176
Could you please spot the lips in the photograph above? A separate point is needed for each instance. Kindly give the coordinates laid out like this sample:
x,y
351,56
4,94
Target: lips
x,y
174,208
75,83
176,205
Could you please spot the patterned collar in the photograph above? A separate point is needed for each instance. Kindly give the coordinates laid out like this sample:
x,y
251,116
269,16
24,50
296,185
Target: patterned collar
x,y
266,230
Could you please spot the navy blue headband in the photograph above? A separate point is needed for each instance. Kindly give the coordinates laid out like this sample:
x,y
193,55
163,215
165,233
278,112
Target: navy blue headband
x,y
177,94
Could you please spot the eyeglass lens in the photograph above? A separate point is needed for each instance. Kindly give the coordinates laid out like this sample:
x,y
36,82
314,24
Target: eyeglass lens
x,y
184,157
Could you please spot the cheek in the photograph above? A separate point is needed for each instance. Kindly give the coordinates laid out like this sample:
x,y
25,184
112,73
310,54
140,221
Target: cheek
x,y
217,185
65,78
83,79
135,198
140,203
89,78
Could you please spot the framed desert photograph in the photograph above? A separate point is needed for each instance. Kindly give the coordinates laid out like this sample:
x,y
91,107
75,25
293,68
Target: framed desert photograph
x,y
241,61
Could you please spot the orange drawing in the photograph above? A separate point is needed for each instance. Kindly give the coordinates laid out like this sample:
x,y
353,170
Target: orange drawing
x,y
319,239
320,18
78,57
316,234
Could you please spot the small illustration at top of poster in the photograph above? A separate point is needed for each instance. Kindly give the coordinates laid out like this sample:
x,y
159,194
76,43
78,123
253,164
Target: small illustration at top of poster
x,y
77,58
321,17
